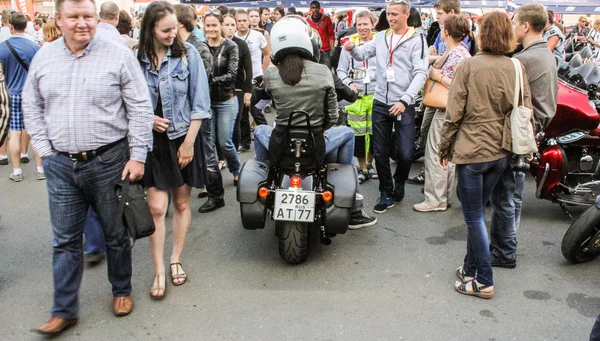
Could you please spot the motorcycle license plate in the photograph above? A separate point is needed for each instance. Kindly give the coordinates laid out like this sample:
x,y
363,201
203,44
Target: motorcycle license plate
x,y
294,206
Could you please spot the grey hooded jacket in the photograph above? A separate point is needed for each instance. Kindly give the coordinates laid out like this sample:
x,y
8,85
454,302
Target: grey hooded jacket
x,y
409,62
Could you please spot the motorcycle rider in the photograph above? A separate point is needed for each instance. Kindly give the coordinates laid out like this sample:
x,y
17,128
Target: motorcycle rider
x,y
507,197
299,83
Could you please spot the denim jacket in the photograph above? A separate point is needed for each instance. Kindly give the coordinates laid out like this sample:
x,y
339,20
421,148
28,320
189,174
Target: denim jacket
x,y
184,89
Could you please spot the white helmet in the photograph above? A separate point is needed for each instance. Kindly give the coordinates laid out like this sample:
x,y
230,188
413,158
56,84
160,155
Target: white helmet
x,y
291,34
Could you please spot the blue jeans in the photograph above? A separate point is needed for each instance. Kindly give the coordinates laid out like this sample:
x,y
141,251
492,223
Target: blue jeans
x,y
475,184
507,201
224,115
94,237
214,180
405,140
339,144
72,188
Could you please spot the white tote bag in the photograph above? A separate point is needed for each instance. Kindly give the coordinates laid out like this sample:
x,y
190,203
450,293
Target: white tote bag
x,y
523,140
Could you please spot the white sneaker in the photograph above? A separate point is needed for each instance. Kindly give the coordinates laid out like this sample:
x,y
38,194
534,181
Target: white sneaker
x,y
426,207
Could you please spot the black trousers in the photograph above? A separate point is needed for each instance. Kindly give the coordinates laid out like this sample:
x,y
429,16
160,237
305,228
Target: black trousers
x,y
259,118
212,173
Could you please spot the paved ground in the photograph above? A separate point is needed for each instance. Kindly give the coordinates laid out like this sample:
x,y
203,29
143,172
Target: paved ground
x,y
390,282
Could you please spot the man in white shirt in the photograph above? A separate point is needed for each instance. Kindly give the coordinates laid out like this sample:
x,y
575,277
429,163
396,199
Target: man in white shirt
x,y
257,43
30,30
261,57
5,30
109,18
39,32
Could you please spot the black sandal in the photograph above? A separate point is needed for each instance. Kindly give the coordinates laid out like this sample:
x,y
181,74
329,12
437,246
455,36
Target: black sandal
x,y
476,289
179,276
462,275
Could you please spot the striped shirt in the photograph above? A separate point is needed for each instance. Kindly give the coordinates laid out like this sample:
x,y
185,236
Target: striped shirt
x,y
81,103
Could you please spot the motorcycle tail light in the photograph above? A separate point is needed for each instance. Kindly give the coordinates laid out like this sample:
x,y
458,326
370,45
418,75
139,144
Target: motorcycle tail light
x,y
295,181
263,192
327,196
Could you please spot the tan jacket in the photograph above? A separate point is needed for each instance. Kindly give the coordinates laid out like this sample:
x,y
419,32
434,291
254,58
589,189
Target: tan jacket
x,y
477,124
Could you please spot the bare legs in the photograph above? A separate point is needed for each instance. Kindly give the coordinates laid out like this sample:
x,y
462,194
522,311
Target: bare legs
x,y
158,201
362,161
14,148
25,138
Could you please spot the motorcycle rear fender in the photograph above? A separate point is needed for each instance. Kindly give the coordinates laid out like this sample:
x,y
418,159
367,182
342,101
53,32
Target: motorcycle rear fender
x,y
252,210
342,180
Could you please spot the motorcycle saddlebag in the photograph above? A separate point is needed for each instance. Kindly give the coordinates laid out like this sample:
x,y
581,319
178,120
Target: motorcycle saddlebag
x,y
341,180
252,210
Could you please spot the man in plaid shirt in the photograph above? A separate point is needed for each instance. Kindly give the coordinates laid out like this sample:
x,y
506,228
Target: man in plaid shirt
x,y
87,107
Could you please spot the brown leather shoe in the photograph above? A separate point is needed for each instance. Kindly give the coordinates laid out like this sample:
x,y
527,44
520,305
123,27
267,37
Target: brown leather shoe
x,y
55,325
122,305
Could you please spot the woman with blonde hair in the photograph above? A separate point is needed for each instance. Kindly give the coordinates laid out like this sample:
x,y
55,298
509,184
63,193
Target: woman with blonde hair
x,y
51,32
476,138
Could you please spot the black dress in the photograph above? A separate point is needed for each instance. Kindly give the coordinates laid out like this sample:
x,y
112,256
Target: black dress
x,y
162,169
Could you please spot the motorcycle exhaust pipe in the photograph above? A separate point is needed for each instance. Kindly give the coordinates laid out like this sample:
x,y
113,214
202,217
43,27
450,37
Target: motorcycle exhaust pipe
x,y
597,172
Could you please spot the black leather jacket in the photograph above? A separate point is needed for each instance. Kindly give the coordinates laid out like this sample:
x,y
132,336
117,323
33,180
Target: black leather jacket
x,y
224,71
204,51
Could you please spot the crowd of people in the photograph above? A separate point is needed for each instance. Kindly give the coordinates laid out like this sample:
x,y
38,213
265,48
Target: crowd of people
x,y
166,100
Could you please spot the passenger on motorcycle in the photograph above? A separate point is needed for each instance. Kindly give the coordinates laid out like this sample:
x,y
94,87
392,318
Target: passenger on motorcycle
x,y
299,83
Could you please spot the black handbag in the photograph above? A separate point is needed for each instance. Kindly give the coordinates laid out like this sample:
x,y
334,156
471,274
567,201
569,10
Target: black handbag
x,y
133,212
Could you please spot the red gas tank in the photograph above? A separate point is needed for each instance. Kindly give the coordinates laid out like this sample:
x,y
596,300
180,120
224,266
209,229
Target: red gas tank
x,y
573,111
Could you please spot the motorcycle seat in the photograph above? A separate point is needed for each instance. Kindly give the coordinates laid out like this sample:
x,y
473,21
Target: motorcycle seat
x,y
586,52
576,61
593,77
305,138
578,75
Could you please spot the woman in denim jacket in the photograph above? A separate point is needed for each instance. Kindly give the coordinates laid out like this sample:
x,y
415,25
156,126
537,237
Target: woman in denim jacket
x,y
222,78
179,90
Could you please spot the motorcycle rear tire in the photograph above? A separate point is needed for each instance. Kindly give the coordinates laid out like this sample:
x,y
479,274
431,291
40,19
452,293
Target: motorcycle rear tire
x,y
585,227
293,242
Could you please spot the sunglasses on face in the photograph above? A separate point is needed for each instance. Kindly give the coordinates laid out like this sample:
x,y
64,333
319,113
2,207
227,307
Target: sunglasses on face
x,y
213,12
398,1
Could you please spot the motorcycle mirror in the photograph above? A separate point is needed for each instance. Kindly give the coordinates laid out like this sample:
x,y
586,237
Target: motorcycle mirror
x,y
357,74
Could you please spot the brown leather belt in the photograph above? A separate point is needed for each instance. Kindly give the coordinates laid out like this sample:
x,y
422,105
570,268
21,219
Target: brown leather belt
x,y
89,155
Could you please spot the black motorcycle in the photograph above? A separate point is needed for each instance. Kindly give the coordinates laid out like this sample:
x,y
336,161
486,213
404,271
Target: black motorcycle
x,y
299,191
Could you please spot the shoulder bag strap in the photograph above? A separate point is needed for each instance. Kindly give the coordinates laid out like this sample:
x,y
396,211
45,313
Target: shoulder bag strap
x,y
521,84
12,50
518,75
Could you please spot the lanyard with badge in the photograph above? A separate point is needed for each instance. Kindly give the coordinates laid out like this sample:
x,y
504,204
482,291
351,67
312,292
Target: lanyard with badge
x,y
389,73
367,78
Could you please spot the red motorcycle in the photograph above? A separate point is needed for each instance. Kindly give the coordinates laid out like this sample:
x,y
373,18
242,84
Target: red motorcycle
x,y
566,169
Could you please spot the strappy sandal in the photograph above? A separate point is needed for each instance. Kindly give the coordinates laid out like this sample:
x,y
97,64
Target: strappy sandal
x,y
158,288
180,277
362,176
462,275
473,288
